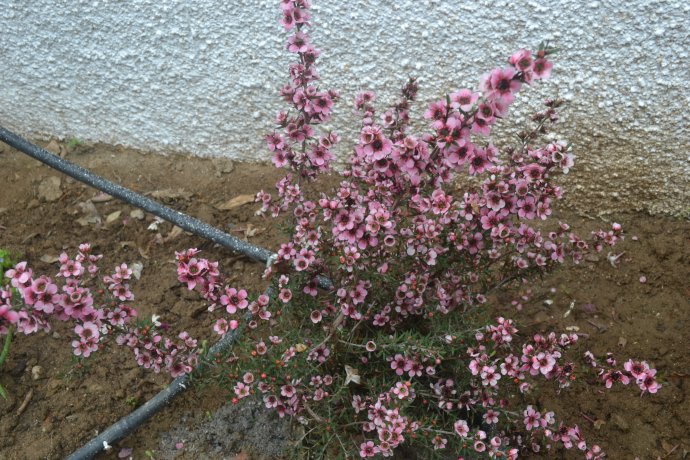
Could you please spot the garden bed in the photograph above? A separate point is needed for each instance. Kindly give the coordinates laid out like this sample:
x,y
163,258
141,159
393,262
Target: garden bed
x,y
42,214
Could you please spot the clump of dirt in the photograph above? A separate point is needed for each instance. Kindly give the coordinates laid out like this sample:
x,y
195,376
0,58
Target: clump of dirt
x,y
43,213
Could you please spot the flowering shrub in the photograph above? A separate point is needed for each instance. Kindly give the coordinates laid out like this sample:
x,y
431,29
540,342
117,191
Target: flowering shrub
x,y
394,349
397,352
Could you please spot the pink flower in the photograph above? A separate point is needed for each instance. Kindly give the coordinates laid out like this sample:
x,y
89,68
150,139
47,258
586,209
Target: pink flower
x,y
298,43
8,316
461,428
489,376
287,391
542,68
87,331
241,390
637,369
490,416
479,446
285,295
648,382
20,275
234,299
463,99
614,376
532,418
436,111
543,362
398,364
315,316
522,60
84,347
501,84
221,326
368,449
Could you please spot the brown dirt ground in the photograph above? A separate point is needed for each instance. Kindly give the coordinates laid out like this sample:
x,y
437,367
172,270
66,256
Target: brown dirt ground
x,y
68,406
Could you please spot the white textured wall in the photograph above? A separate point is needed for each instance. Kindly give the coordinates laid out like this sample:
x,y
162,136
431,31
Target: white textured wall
x,y
202,76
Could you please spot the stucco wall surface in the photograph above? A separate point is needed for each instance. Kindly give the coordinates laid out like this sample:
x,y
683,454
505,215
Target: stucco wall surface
x,y
202,76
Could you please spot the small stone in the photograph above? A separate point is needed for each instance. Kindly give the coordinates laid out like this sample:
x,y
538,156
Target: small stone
x,y
49,189
137,214
56,335
53,147
36,372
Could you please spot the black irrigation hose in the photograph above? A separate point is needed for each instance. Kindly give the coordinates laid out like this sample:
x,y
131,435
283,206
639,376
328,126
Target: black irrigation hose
x,y
140,201
131,422
178,218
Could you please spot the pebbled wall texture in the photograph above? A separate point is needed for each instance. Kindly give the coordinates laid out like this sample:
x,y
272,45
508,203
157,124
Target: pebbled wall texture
x,y
202,77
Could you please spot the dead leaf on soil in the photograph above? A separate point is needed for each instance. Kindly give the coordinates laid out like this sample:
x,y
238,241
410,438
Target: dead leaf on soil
x,y
137,267
170,194
55,147
137,214
598,424
252,231
352,375
112,217
3,210
101,197
239,200
144,252
600,327
622,341
47,258
174,233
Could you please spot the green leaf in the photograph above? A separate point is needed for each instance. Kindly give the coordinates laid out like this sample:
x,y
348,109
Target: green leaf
x,y
3,393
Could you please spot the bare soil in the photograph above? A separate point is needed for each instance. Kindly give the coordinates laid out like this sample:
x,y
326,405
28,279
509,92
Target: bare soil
x,y
40,217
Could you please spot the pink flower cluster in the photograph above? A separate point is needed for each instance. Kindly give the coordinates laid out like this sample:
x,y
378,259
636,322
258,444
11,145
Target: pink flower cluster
x,y
97,313
203,275
296,147
636,371
43,300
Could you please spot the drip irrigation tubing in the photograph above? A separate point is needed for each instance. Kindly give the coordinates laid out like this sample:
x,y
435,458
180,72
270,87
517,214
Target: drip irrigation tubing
x,y
131,422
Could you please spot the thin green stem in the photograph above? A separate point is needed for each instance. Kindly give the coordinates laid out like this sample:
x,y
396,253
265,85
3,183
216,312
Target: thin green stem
x,y
6,347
